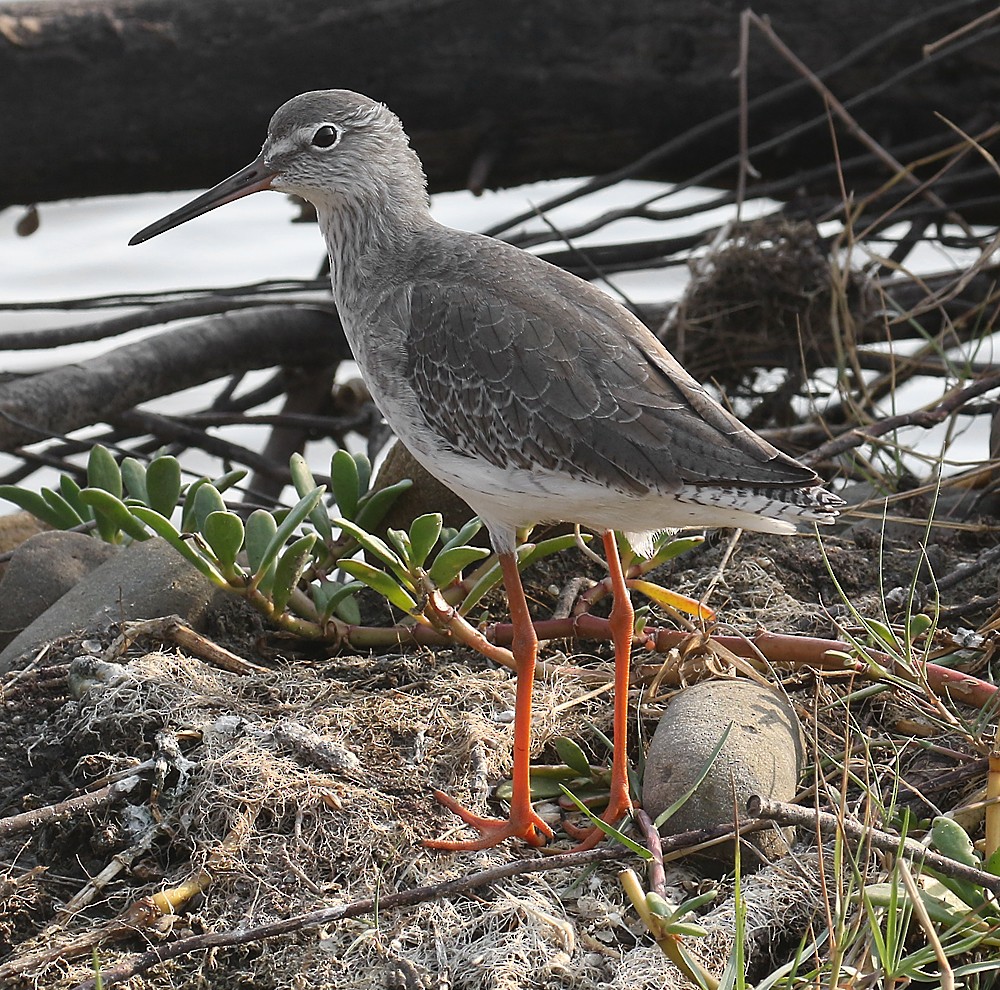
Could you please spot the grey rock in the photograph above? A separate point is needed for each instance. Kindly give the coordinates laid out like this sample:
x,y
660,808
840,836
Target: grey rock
x,y
40,571
762,755
144,581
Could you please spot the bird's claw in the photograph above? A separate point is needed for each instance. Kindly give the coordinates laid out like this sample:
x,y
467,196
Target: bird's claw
x,y
526,825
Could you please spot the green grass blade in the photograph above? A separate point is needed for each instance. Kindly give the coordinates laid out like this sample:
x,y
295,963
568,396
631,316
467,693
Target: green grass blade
x,y
713,756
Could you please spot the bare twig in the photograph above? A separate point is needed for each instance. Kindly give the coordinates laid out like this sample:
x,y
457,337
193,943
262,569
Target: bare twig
x,y
827,824
30,820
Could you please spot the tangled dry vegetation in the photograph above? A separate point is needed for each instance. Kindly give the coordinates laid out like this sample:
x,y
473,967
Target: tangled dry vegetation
x,y
190,826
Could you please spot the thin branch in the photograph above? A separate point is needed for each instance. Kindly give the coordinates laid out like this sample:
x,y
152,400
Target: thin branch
x,y
829,825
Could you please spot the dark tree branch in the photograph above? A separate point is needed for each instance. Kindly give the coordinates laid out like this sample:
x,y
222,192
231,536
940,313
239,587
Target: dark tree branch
x,y
510,112
72,396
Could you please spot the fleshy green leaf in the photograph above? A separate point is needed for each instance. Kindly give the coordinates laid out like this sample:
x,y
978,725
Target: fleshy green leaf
x,y
206,501
69,517
70,491
670,549
992,865
449,563
364,467
658,905
381,582
672,599
543,788
377,548
165,528
424,533
881,631
348,609
373,507
951,840
329,595
304,482
291,564
260,530
31,502
224,533
114,514
288,525
163,484
693,904
553,545
400,539
134,477
103,472
574,757
226,481
345,484
187,515
527,554
919,624
465,534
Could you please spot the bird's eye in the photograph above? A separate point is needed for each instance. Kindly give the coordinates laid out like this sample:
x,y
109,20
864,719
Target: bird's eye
x,y
326,136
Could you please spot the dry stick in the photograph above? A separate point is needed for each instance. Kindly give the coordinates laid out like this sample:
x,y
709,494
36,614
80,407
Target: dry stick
x,y
920,417
826,824
172,628
120,300
840,109
978,22
775,189
723,120
31,820
654,843
77,395
707,176
183,309
964,571
404,898
168,428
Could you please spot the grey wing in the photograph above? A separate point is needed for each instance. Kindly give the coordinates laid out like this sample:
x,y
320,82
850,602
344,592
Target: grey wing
x,y
573,383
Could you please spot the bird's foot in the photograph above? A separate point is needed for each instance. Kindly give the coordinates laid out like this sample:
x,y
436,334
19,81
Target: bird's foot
x,y
589,837
525,825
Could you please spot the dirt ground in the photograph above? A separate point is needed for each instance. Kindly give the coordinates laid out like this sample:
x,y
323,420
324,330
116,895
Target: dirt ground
x,y
310,786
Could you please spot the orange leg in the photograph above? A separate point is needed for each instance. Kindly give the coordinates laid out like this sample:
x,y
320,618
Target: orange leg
x,y
523,822
622,621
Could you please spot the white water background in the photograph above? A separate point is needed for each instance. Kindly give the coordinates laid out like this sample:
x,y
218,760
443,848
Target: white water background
x,y
81,250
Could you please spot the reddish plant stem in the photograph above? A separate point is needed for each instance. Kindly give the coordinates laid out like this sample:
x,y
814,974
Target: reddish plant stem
x,y
772,648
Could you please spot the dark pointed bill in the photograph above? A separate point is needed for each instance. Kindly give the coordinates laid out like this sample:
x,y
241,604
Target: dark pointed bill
x,y
254,178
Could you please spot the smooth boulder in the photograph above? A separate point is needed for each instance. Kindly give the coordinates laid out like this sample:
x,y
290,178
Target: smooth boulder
x,y
763,754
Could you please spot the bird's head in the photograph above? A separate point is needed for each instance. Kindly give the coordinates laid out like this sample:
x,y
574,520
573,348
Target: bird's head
x,y
329,147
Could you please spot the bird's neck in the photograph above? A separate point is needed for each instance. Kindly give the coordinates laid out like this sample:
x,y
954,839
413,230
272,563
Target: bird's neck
x,y
363,233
